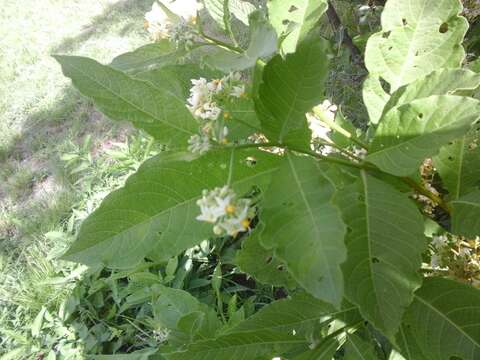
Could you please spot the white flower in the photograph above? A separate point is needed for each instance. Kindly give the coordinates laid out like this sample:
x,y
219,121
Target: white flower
x,y
157,22
199,144
319,130
435,261
162,23
208,111
238,91
199,93
464,252
220,207
439,242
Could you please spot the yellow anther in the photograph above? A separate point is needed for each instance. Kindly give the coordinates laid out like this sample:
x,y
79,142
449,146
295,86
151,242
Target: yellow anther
x,y
230,209
224,141
245,223
226,115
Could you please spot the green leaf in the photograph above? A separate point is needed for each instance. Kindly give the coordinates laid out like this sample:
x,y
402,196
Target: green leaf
x,y
37,324
290,88
304,228
183,315
417,37
237,346
374,98
384,249
357,348
466,215
261,263
324,351
439,82
240,9
303,14
263,43
144,354
153,215
412,132
157,111
264,332
177,79
458,164
283,315
148,57
444,320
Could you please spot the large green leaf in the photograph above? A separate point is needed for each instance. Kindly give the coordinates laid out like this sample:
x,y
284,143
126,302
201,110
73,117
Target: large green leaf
x,y
262,264
294,19
239,8
458,164
304,228
466,215
384,245
417,37
324,351
374,98
290,88
153,215
266,333
148,57
294,313
412,132
183,315
263,43
439,82
357,348
159,112
444,320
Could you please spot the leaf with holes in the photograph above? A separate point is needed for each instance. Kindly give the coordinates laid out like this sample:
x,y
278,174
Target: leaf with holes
x,y
159,112
304,228
412,132
466,215
445,320
439,82
417,37
153,215
294,19
290,88
458,164
261,263
384,247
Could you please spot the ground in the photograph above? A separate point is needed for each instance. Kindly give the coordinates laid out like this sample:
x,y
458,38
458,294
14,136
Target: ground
x,y
58,156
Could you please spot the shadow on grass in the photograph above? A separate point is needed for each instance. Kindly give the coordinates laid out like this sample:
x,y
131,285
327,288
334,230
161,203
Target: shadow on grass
x,y
101,24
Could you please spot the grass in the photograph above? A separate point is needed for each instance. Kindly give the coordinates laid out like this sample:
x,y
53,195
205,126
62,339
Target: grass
x,y
58,156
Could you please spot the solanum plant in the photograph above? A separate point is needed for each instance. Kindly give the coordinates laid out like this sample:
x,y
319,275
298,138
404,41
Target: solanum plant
x,y
256,157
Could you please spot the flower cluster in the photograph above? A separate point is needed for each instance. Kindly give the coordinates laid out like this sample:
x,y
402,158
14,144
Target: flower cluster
x,y
173,21
457,256
205,104
221,207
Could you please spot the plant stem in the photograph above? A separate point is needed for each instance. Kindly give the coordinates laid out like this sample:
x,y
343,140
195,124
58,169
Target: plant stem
x,y
422,190
334,126
217,42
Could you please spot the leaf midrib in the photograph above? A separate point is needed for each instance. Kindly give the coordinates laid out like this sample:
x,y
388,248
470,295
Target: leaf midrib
x,y
125,100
